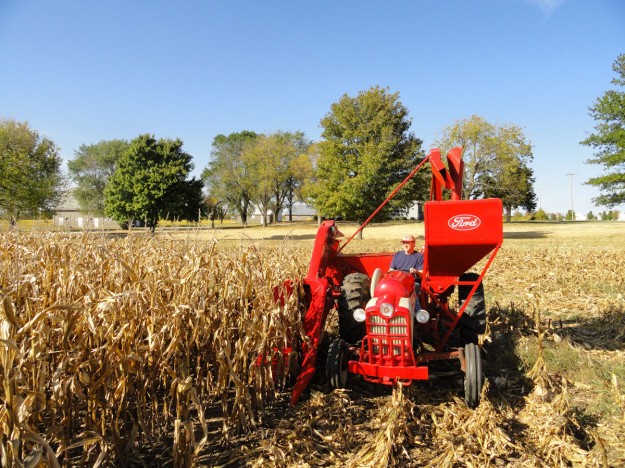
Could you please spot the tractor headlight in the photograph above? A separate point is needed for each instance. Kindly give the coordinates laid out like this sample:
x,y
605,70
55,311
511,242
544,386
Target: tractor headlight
x,y
423,316
387,309
359,315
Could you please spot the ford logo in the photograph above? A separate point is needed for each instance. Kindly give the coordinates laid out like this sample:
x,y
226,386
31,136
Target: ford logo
x,y
464,222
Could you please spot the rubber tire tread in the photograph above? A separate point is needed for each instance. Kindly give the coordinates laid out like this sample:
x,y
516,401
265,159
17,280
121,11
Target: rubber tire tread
x,y
473,379
336,364
473,321
355,293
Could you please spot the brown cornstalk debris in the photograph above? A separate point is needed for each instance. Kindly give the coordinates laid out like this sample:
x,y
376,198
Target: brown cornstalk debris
x,y
144,351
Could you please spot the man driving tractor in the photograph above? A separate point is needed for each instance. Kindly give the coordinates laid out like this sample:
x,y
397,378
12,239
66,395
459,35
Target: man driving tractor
x,y
410,261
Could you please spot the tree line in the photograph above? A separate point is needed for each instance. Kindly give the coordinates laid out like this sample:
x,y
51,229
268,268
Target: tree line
x,y
249,170
366,149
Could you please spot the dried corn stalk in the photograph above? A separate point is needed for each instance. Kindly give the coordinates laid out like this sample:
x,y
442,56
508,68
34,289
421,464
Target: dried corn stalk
x,y
110,345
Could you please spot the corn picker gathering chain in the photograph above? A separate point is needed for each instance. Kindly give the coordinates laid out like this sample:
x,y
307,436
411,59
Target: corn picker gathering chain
x,y
382,337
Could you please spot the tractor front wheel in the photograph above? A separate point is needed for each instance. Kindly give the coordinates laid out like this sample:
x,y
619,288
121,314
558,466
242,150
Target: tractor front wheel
x,y
336,366
355,293
473,379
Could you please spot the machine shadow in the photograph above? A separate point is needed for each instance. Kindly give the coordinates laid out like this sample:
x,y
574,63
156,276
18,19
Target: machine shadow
x,y
291,237
509,384
605,332
525,235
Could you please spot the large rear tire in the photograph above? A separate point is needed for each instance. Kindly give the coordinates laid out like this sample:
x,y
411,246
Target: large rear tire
x,y
473,321
355,293
473,379
336,365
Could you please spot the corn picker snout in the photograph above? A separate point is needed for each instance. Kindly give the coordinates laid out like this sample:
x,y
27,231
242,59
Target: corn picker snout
x,y
382,335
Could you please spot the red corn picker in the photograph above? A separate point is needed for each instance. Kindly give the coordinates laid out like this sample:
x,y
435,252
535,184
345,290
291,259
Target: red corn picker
x,y
381,335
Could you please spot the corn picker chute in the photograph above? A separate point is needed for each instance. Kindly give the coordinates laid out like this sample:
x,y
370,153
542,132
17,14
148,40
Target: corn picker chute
x,y
382,336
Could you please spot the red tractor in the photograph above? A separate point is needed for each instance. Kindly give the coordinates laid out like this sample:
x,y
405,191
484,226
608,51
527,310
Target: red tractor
x,y
381,335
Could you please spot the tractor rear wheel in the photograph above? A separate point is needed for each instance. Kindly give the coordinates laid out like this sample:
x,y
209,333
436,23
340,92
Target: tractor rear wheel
x,y
355,293
473,321
473,379
336,366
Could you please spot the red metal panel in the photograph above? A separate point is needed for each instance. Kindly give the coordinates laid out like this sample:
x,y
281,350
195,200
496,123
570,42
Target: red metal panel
x,y
396,284
444,177
324,250
458,234
314,321
388,374
456,172
366,263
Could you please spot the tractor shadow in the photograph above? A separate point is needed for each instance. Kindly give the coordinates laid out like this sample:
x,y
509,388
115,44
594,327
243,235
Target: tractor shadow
x,y
605,332
509,383
525,235
291,237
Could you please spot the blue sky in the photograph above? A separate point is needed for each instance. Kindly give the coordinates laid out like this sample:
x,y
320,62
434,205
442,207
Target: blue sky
x,y
82,71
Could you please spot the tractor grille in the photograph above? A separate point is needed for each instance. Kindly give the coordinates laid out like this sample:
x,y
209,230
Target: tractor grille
x,y
396,326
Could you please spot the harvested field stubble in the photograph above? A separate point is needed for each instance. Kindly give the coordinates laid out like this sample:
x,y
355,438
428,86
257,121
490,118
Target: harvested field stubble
x,y
143,351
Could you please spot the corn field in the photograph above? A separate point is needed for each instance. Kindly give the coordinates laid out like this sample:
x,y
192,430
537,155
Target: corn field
x,y
112,350
151,351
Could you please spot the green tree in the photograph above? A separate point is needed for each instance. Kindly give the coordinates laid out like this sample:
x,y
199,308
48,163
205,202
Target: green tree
x,y
213,207
271,160
366,151
511,181
476,137
496,162
90,170
220,212
259,158
590,216
609,215
609,140
150,183
540,215
297,169
301,174
306,164
31,180
227,177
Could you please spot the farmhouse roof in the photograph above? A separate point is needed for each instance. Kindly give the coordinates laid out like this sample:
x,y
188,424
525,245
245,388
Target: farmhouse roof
x,y
301,209
68,202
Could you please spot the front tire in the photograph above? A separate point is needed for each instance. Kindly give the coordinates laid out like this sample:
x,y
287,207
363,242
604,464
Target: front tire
x,y
473,379
355,293
337,364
